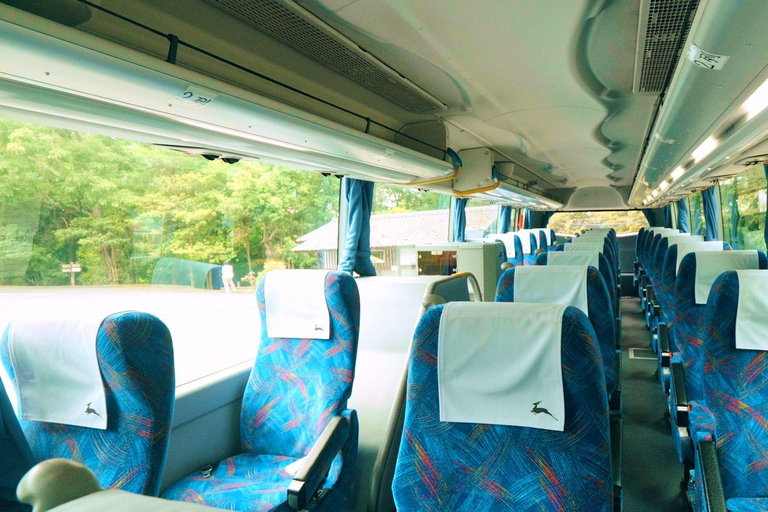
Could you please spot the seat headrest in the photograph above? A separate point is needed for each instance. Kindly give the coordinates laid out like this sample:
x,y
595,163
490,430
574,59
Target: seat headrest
x,y
58,378
295,304
500,364
571,258
709,266
752,310
684,248
566,286
584,246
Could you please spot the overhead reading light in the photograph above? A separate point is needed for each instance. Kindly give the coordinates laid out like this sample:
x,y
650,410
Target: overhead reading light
x,y
645,202
663,186
679,171
704,149
757,102
655,193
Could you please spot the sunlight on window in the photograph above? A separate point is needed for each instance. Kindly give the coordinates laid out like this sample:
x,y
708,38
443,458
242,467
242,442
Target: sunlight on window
x,y
623,221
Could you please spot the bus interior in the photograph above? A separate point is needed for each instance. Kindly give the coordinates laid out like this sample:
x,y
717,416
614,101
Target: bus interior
x,y
379,255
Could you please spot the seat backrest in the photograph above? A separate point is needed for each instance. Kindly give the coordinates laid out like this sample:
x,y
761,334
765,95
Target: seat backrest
x,y
668,277
605,271
471,466
639,242
599,312
735,388
297,385
135,356
14,450
689,316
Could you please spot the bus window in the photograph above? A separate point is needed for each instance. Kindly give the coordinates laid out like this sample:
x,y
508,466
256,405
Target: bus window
x,y
743,199
698,222
89,221
482,218
571,223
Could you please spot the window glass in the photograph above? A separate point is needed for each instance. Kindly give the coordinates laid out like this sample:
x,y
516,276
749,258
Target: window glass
x,y
482,218
623,221
150,229
743,199
698,222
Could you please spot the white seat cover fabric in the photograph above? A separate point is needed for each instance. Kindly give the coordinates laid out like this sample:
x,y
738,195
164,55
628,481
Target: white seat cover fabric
x,y
547,234
584,246
508,239
500,364
752,310
295,304
566,286
58,379
684,248
709,266
525,240
571,258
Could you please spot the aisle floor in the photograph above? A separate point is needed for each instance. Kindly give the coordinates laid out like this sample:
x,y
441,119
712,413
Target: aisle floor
x,y
651,473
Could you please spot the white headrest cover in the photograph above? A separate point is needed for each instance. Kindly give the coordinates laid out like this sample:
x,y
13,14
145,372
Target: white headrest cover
x,y
584,246
680,239
508,239
684,248
571,258
752,310
566,286
525,240
709,266
58,379
500,364
295,304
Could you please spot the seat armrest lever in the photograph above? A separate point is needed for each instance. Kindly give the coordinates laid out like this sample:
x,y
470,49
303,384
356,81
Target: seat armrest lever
x,y
680,397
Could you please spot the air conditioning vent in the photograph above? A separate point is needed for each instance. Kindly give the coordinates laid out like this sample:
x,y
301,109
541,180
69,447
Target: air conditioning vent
x,y
658,42
298,28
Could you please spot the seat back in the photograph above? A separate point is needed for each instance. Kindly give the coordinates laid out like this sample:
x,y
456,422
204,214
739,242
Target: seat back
x,y
599,312
605,271
688,325
735,389
471,466
297,385
135,356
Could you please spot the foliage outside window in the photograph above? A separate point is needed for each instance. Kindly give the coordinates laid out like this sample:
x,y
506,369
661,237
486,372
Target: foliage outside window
x,y
133,215
623,221
743,200
698,221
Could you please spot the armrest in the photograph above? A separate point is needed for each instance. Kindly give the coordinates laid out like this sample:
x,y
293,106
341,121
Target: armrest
x,y
710,477
664,351
55,482
317,463
680,399
617,447
656,308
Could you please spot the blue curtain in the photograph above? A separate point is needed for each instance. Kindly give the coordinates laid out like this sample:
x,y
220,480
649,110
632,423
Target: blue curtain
x,y
506,219
357,249
683,223
650,216
668,216
459,218
710,213
544,220
527,219
735,217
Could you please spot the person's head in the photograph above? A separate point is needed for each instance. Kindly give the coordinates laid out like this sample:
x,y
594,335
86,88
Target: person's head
x,y
226,262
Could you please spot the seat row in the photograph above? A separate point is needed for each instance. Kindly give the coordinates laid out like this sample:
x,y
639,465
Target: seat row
x,y
538,436
523,245
705,307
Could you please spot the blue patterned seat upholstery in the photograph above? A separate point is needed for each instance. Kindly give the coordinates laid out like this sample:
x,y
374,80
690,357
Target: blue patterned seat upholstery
x,y
478,467
518,259
295,388
735,390
600,315
135,355
542,241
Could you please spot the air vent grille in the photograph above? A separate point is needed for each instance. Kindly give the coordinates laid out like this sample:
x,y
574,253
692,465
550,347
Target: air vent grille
x,y
666,19
300,31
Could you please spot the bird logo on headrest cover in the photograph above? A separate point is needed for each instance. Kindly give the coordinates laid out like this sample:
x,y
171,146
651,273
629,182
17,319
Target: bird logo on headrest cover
x,y
91,410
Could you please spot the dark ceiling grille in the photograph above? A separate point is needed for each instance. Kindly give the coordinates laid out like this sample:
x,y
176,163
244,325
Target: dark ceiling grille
x,y
666,18
283,24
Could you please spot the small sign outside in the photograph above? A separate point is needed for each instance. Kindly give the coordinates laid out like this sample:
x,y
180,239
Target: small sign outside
x,y
706,60
72,269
